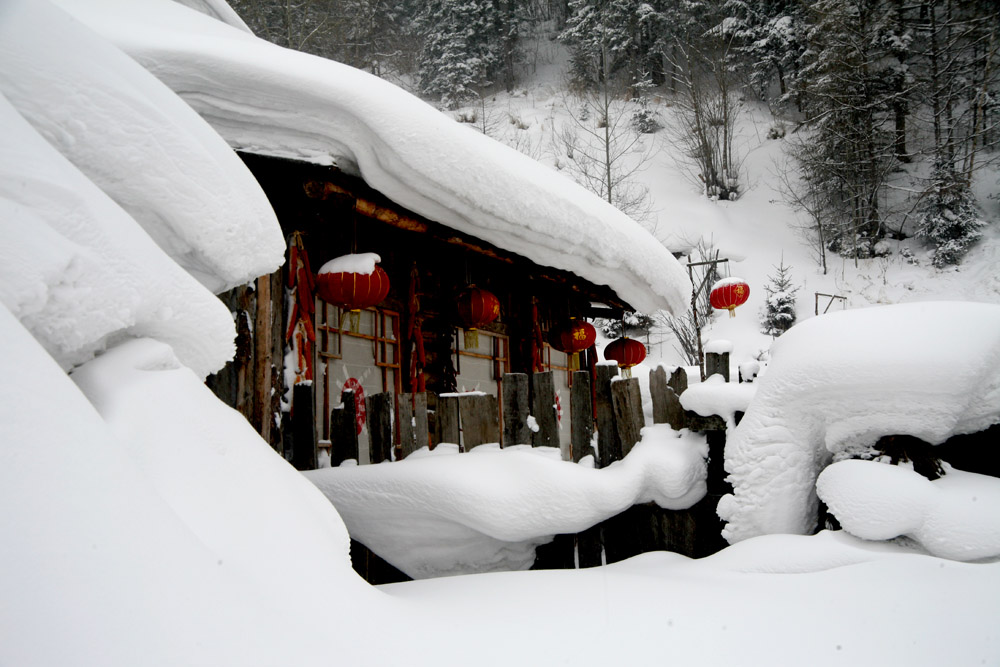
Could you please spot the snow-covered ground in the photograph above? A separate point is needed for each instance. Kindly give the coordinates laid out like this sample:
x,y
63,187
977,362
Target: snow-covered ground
x,y
145,523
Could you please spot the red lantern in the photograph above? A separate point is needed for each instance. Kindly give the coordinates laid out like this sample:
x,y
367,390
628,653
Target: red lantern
x,y
353,282
575,337
729,293
477,307
627,352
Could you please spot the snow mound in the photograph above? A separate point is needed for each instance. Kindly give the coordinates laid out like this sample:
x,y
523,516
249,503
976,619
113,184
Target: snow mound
x,y
79,272
139,143
952,517
845,379
715,396
274,101
487,510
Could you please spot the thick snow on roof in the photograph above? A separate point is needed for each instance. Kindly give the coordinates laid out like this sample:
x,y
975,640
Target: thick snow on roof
x,y
266,99
930,370
487,510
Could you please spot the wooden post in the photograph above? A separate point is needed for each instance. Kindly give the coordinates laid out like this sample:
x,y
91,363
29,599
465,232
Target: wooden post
x,y
543,407
379,409
448,419
516,408
717,362
581,416
303,428
658,392
479,420
627,404
412,423
344,431
262,417
608,444
678,381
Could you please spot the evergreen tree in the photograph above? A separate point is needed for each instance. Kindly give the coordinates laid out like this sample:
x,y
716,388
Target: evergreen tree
x,y
778,315
457,58
950,221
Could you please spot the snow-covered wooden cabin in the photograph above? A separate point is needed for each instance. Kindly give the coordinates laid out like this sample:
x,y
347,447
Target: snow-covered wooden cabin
x,y
353,164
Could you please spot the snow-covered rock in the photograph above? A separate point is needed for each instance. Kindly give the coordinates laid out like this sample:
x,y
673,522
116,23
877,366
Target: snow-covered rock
x,y
930,370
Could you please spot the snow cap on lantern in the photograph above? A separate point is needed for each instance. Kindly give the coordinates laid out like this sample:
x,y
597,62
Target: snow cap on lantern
x,y
576,336
729,293
353,282
477,307
627,352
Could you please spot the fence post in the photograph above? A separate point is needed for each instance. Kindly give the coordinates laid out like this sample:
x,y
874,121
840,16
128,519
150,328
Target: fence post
x,y
379,409
516,408
608,444
543,408
627,403
581,416
303,428
717,362
448,419
479,420
658,393
344,431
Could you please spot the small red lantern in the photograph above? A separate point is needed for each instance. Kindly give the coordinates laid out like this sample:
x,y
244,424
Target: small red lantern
x,y
477,307
353,282
627,352
729,293
575,337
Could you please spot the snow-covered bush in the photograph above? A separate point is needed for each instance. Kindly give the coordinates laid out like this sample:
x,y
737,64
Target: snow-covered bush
x,y
778,314
950,221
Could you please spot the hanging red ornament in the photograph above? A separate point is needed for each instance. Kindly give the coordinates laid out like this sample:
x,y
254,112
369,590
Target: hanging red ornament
x,y
627,352
353,282
476,307
729,293
576,336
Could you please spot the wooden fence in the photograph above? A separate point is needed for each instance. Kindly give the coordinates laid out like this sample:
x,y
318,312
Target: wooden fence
x,y
613,404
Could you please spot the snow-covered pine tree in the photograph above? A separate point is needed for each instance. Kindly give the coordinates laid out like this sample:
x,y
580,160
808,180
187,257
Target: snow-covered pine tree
x,y
457,58
950,221
778,315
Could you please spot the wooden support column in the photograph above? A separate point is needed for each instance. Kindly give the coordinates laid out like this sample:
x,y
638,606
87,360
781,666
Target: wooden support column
x,y
581,417
543,408
608,444
516,408
379,417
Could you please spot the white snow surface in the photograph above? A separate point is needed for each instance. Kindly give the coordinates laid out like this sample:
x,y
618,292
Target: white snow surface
x,y
954,516
79,272
361,263
137,141
846,379
715,396
269,100
488,509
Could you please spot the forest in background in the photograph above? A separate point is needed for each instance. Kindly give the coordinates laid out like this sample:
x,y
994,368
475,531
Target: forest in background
x,y
863,89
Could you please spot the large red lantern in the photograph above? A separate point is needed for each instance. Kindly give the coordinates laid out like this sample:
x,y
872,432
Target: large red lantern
x,y
576,336
477,307
729,293
353,282
627,352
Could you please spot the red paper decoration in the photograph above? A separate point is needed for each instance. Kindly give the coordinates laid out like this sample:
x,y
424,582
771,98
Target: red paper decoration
x,y
477,307
729,293
576,336
352,289
626,351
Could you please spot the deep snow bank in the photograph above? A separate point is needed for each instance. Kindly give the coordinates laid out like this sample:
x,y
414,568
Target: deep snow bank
x,y
488,509
931,370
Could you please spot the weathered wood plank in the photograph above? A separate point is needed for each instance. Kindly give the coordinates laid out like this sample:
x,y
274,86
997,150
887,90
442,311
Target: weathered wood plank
x,y
421,427
543,407
480,417
678,381
608,444
379,410
412,423
344,431
658,392
581,417
717,362
448,419
627,404
516,408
